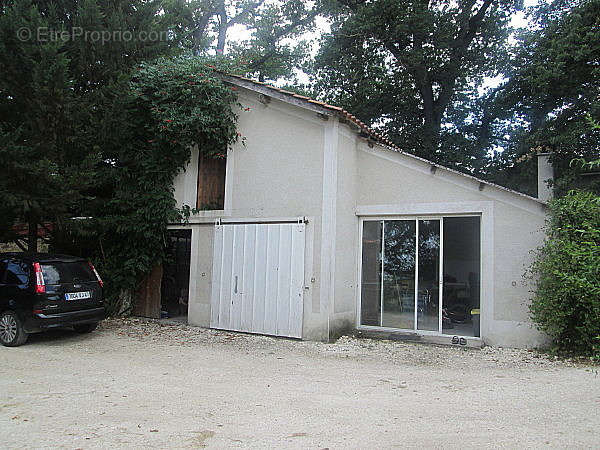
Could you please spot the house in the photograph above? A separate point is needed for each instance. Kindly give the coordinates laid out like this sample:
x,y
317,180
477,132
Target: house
x,y
316,226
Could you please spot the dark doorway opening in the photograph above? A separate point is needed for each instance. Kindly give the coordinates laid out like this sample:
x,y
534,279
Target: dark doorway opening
x,y
175,287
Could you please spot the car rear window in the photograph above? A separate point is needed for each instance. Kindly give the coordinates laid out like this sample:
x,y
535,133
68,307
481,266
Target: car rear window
x,y
67,272
15,273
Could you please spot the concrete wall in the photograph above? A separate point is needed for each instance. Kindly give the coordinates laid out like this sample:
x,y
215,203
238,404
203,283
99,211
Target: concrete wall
x,y
275,172
343,311
391,184
545,173
201,275
292,163
185,184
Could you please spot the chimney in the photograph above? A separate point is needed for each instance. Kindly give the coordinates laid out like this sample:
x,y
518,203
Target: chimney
x,y
545,173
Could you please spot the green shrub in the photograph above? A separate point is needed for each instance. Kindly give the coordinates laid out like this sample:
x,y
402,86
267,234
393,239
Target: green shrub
x,y
145,128
566,303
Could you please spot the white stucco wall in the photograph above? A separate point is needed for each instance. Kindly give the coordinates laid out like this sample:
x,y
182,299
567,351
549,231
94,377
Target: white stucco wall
x,y
295,163
274,173
201,275
185,184
391,184
545,173
343,310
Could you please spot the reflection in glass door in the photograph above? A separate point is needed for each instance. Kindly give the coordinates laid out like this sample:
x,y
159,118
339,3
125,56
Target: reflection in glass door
x,y
370,307
409,265
398,274
462,273
428,289
394,294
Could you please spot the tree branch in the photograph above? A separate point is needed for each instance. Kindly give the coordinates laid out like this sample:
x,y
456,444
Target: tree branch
x,y
461,44
223,25
469,31
200,30
279,34
239,17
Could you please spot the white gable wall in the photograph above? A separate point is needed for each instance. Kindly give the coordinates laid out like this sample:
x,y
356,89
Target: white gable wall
x,y
296,164
185,185
279,170
388,183
274,173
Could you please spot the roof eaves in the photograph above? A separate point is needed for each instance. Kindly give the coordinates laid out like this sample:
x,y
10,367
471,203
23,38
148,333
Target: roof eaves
x,y
373,135
309,101
466,175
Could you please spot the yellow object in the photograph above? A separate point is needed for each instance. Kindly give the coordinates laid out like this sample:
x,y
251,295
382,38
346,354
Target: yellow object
x,y
474,311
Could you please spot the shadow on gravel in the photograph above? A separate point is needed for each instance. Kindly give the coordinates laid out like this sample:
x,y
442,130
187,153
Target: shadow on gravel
x,y
59,336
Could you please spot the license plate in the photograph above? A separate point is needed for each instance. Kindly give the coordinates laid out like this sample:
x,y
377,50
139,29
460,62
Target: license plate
x,y
78,295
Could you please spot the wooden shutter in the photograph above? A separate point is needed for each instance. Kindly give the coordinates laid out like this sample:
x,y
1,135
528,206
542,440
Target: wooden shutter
x,y
211,183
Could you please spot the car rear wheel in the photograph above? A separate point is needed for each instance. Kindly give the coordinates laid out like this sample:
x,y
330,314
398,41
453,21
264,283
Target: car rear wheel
x,y
85,328
11,330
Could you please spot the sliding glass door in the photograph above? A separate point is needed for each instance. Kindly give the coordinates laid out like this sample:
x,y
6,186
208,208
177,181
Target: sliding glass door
x,y
403,272
428,285
398,302
462,261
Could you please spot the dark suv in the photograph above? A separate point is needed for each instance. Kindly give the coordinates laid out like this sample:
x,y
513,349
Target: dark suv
x,y
41,291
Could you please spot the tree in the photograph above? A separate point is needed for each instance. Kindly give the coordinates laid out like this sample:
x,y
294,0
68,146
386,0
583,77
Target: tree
x,y
276,47
58,59
146,130
203,17
553,89
402,65
273,48
36,123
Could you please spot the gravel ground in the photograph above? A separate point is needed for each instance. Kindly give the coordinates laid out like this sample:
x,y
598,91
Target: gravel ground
x,y
138,383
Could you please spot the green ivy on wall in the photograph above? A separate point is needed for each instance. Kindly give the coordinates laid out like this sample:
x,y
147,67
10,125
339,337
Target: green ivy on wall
x,y
146,127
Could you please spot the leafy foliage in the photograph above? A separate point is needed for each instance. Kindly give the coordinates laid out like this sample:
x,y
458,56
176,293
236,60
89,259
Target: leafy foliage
x,y
411,68
202,23
148,128
50,89
553,87
566,304
273,47
91,137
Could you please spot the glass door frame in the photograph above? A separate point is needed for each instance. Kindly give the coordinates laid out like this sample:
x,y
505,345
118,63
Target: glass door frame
x,y
416,218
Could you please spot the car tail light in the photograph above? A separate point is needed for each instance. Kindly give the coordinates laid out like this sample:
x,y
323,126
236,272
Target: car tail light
x,y
40,285
100,282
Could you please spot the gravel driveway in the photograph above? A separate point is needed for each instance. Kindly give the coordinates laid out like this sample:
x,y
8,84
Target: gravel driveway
x,y
138,384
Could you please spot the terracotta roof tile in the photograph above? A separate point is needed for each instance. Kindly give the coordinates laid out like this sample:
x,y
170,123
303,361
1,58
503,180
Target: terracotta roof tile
x,y
364,128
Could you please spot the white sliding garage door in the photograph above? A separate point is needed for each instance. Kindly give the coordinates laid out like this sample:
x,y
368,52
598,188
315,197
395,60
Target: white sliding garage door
x,y
258,278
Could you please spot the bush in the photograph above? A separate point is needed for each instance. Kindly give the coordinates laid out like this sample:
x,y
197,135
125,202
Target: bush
x,y
566,303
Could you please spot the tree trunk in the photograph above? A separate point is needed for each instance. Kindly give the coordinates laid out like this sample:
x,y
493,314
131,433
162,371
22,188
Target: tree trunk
x,y
223,25
199,32
32,237
148,295
431,136
432,125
